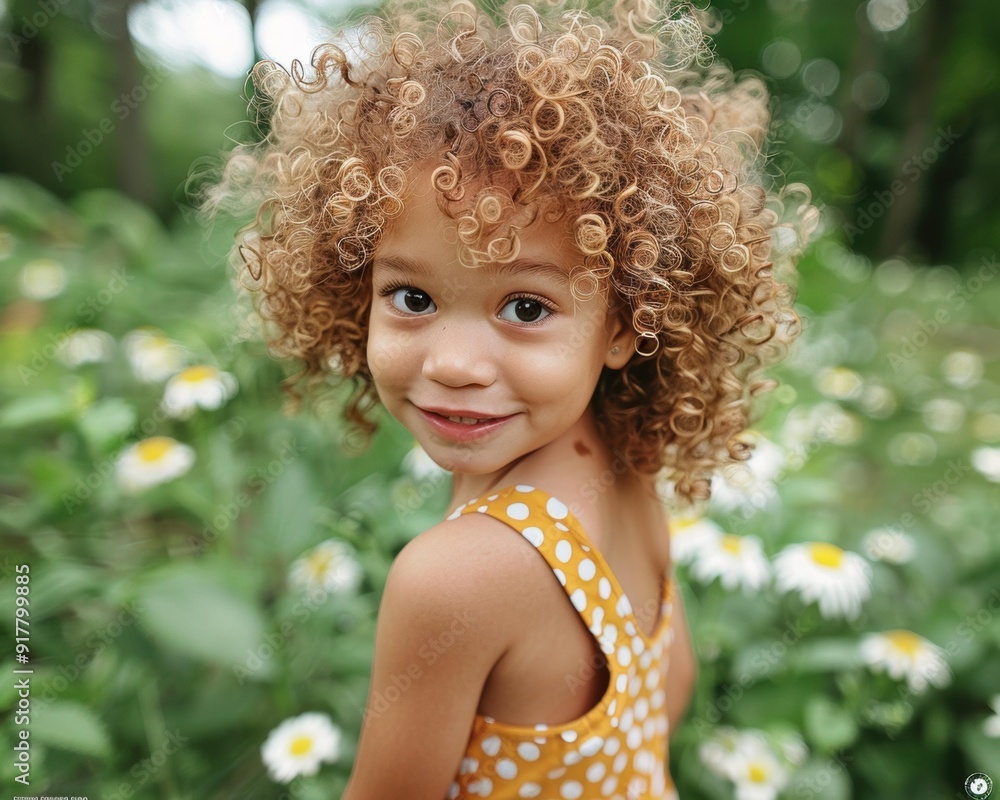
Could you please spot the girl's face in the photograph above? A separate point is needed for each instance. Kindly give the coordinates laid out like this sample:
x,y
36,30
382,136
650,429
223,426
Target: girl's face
x,y
485,365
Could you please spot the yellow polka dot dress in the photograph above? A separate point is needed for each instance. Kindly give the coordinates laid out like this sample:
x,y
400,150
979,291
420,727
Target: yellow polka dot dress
x,y
618,749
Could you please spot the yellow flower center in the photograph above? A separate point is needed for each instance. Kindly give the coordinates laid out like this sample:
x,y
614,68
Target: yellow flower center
x,y
300,745
757,773
681,524
826,555
905,641
319,562
154,449
732,543
202,372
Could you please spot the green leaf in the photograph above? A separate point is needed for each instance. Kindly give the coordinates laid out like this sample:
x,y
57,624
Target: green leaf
x,y
829,726
821,780
37,408
106,421
827,655
71,726
190,610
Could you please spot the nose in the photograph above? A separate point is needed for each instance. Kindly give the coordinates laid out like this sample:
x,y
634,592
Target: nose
x,y
458,354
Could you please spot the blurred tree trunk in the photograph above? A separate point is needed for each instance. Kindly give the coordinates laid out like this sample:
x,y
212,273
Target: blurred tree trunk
x,y
937,26
133,84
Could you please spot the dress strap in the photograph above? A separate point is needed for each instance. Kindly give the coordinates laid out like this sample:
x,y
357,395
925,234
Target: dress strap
x,y
556,534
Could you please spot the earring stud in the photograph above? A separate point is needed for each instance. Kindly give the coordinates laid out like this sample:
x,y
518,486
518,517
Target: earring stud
x,y
614,349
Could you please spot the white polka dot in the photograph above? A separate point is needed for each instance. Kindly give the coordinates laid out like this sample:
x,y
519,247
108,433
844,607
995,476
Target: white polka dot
x,y
641,708
621,682
596,771
453,791
528,751
620,761
491,745
457,512
644,661
586,569
634,738
579,599
624,606
596,620
568,736
482,509
553,774
571,790
483,787
611,746
493,497
625,724
644,762
529,790
556,509
517,511
629,627
634,686
506,768
564,550
572,757
612,706
592,746
604,588
624,656
637,645
649,728
533,535
657,698
560,575
522,487
609,786
468,765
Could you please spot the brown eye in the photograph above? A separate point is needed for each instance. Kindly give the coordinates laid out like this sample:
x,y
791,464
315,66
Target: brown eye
x,y
524,309
412,300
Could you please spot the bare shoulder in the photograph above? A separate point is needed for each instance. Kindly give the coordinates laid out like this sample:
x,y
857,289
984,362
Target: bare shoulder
x,y
472,563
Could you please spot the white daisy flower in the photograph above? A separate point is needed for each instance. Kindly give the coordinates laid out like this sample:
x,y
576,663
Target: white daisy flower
x,y
717,752
904,654
838,579
419,465
794,749
152,356
151,462
328,567
42,279
202,386
986,460
85,346
755,770
689,535
749,485
298,746
991,725
736,560
888,544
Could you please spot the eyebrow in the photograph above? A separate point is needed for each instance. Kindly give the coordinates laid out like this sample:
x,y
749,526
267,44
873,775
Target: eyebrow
x,y
422,268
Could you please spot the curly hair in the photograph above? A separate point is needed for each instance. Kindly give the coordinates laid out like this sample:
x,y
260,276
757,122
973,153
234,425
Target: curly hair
x,y
619,116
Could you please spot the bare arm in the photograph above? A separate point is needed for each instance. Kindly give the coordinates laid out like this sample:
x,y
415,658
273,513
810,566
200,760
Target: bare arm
x,y
435,644
682,672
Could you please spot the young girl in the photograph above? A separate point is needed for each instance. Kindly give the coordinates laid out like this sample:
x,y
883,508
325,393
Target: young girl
x,y
540,239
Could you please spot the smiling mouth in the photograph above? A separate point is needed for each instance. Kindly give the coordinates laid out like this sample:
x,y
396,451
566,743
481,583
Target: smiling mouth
x,y
468,420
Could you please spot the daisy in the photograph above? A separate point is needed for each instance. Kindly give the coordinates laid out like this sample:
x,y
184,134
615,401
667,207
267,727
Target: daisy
x,y
749,485
904,654
151,462
42,279
986,461
889,545
991,725
298,745
328,567
737,560
85,346
689,535
419,465
756,771
152,356
838,579
202,386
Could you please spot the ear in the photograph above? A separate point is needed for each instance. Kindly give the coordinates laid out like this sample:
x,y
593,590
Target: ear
x,y
620,341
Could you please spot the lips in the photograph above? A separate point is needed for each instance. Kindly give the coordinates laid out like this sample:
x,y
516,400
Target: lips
x,y
463,425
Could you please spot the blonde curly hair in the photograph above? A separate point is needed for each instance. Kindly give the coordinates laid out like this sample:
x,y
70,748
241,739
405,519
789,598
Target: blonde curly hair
x,y
619,116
